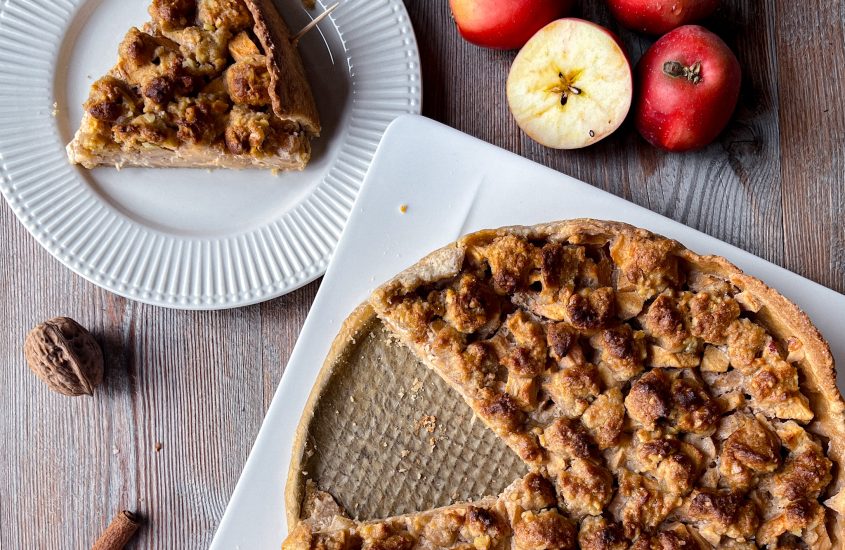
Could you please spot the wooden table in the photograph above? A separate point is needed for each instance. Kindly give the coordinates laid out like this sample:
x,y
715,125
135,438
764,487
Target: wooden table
x,y
198,384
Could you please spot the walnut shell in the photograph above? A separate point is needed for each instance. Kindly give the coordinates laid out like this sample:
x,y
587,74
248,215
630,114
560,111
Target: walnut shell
x,y
64,355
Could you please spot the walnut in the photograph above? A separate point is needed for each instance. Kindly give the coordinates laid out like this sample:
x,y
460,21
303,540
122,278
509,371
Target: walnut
x,y
204,52
146,128
197,119
110,100
65,356
250,132
154,65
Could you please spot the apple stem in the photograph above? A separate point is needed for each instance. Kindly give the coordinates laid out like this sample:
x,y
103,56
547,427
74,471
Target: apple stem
x,y
676,69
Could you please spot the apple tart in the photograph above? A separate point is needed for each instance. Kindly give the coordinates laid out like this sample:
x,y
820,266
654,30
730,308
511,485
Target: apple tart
x,y
660,399
206,83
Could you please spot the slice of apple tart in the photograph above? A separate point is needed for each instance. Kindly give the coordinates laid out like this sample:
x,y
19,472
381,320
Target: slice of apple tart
x,y
206,83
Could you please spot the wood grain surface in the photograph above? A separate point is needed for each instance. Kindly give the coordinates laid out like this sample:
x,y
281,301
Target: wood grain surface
x,y
199,384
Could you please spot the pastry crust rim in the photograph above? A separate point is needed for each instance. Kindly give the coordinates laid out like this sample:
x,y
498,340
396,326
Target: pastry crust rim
x,y
290,91
296,483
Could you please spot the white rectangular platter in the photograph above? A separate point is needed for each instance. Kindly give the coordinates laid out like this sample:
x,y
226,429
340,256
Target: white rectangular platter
x,y
452,184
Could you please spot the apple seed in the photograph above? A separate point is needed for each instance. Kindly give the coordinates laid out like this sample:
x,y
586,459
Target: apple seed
x,y
565,88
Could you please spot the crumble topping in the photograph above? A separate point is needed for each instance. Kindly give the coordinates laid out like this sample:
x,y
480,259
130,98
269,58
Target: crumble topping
x,y
193,76
647,391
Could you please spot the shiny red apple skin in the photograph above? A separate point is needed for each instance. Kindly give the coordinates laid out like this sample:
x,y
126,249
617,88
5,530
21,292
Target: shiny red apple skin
x,y
660,16
505,24
678,113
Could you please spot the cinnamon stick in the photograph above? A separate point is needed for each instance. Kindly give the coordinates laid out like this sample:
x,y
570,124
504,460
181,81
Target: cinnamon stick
x,y
117,534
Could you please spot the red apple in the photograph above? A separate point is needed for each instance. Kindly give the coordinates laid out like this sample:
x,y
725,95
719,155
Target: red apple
x,y
660,16
688,86
571,85
505,24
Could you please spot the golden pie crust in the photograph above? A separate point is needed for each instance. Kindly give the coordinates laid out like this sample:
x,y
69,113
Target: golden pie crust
x,y
670,400
205,83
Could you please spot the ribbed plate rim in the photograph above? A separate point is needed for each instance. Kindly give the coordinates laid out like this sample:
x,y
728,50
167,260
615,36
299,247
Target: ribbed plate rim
x,y
295,249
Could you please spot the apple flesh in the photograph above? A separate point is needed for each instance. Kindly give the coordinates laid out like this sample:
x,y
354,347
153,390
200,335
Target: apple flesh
x,y
660,16
689,83
505,24
571,85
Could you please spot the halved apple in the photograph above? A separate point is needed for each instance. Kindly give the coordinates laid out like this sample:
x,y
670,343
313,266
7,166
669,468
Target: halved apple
x,y
570,85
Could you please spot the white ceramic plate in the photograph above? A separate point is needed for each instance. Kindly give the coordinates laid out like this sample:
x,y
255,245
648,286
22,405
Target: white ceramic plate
x,y
193,239
452,184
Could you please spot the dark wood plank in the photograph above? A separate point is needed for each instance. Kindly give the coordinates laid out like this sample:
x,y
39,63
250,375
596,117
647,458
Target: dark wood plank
x,y
811,49
198,383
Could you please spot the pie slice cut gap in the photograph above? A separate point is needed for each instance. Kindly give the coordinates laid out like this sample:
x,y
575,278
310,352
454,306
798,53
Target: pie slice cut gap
x,y
419,442
652,386
205,83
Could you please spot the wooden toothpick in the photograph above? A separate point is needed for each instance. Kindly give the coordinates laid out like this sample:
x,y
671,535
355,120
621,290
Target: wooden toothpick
x,y
313,23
